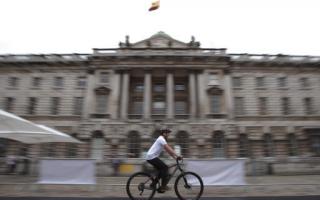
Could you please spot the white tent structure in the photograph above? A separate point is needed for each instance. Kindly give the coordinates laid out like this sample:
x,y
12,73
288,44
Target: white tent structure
x,y
17,128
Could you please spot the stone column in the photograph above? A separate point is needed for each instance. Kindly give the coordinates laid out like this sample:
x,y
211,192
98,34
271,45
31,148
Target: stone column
x,y
192,94
147,95
114,96
125,95
202,95
89,99
170,95
229,96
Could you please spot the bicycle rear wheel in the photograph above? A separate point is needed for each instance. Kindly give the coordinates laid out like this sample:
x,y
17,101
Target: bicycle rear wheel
x,y
188,185
139,186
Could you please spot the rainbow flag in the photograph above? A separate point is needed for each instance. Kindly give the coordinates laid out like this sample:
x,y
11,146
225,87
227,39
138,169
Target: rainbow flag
x,y
155,5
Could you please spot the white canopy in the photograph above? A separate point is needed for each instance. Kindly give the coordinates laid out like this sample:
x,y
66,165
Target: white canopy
x,y
17,128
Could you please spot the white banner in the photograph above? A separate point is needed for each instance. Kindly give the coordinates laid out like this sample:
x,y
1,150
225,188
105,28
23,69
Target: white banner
x,y
65,171
219,172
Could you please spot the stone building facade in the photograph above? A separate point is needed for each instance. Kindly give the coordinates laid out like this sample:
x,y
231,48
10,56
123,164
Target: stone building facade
x,y
219,105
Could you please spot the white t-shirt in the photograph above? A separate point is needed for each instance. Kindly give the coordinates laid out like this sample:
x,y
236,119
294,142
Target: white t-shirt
x,y
156,149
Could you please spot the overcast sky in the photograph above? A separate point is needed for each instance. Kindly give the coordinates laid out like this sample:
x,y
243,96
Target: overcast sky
x,y
241,26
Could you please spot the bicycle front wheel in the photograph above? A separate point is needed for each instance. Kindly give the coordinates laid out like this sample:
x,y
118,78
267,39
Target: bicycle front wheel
x,y
189,186
139,186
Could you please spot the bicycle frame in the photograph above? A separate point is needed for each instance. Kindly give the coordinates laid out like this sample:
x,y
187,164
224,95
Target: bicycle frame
x,y
177,166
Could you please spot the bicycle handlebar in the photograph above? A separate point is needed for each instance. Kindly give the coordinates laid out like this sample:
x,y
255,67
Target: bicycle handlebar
x,y
179,161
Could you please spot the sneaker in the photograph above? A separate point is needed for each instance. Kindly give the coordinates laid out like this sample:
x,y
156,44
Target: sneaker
x,y
163,189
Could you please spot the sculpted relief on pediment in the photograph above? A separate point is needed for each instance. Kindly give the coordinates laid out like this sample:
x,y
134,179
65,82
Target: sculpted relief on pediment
x,y
160,40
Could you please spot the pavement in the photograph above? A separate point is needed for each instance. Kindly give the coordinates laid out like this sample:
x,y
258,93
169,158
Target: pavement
x,y
27,186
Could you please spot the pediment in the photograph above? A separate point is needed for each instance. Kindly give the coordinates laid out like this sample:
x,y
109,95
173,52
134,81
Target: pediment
x,y
102,90
160,40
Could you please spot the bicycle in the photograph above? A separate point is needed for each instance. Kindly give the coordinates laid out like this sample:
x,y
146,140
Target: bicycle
x,y
143,185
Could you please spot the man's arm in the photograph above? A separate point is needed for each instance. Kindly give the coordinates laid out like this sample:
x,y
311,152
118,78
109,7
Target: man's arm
x,y
170,151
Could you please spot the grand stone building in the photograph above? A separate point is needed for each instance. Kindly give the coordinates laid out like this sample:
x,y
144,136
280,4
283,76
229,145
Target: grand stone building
x,y
219,105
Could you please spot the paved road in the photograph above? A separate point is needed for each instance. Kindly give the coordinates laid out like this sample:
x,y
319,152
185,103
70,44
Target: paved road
x,y
204,198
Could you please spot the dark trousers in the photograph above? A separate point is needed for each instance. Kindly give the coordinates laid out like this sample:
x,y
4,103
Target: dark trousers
x,y
162,168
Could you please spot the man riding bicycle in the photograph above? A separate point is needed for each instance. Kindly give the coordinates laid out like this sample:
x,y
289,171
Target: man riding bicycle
x,y
153,157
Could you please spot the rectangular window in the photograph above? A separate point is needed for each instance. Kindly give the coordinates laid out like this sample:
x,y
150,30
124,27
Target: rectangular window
x,y
285,103
159,87
292,145
101,103
304,83
138,87
9,104
58,82
239,105
81,82
104,77
244,148
308,106
263,105
159,107
71,150
260,82
282,82
137,107
13,82
180,87
77,105
32,105
268,146
55,103
180,107
236,82
215,104
36,82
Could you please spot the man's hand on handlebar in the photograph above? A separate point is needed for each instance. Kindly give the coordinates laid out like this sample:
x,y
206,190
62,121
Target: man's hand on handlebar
x,y
179,158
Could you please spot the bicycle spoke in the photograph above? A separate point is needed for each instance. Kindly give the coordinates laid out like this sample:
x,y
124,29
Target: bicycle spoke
x,y
139,187
189,186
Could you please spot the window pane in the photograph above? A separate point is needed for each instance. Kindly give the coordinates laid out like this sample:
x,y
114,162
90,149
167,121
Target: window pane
x,y
292,146
58,82
263,105
32,105
180,87
78,105
282,82
81,82
260,82
239,105
55,103
308,106
244,146
9,104
137,107
159,88
36,82
181,107
285,101
101,104
268,146
215,103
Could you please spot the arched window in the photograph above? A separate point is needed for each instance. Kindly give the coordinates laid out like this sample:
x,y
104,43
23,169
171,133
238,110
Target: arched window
x,y
134,144
244,146
182,143
72,148
218,144
268,145
3,147
292,145
97,145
